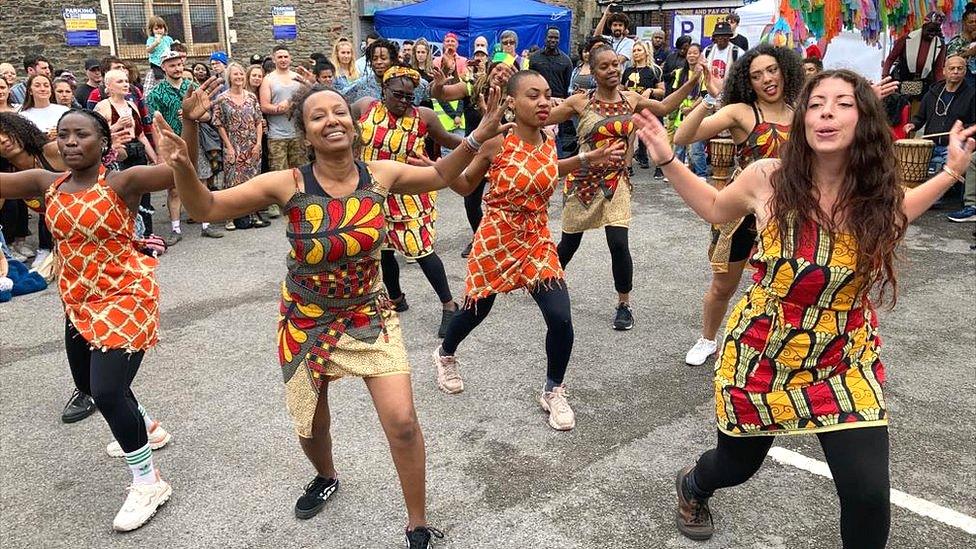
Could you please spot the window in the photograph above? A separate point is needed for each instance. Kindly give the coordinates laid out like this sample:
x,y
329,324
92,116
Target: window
x,y
196,23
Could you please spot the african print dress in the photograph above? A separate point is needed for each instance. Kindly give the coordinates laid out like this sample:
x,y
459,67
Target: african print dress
x,y
512,247
334,320
800,353
410,217
108,288
764,141
600,196
241,122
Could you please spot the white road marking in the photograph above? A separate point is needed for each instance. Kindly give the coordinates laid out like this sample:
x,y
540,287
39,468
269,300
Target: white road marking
x,y
916,505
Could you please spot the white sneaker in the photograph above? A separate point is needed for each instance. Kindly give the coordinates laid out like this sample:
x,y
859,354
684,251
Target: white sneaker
x,y
141,504
24,250
40,257
448,375
561,416
158,437
698,354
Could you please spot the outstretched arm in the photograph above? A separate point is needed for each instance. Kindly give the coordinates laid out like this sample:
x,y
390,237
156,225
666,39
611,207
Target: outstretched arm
x,y
441,136
734,201
26,184
960,155
699,125
612,154
566,109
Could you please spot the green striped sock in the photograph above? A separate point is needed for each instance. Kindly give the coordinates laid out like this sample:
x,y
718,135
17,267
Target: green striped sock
x,y
141,464
145,417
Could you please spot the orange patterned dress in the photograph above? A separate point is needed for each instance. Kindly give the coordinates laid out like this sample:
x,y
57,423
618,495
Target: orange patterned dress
x,y
801,350
108,288
512,247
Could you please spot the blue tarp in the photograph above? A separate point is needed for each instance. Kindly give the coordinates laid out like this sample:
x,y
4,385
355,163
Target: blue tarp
x,y
468,19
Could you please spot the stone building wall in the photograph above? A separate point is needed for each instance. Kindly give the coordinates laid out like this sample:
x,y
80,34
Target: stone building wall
x,y
36,26
320,24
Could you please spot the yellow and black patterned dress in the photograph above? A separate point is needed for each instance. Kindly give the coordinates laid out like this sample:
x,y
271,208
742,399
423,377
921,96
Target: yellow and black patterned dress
x,y
800,353
410,217
334,320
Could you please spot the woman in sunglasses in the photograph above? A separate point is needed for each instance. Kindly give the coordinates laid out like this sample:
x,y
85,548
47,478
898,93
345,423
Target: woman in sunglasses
x,y
392,128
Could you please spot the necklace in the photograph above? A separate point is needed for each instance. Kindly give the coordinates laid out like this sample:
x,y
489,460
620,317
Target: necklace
x,y
945,106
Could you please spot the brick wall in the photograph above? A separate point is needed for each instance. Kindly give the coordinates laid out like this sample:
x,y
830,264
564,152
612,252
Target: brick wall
x,y
320,24
36,26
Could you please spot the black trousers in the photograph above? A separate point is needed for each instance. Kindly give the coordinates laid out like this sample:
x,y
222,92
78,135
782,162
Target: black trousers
x,y
858,460
14,219
621,263
107,376
472,205
554,304
431,265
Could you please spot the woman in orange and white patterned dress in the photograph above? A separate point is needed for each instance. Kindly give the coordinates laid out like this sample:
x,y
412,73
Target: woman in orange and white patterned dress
x,y
108,289
512,247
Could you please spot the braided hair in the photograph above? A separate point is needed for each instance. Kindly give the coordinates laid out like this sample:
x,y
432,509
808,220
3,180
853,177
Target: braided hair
x,y
101,125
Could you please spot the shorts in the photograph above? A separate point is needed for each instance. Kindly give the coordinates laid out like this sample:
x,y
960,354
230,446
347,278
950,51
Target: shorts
x,y
743,239
284,154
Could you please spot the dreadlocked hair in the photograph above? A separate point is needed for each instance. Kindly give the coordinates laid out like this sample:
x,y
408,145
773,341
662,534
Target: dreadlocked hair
x,y
738,85
869,202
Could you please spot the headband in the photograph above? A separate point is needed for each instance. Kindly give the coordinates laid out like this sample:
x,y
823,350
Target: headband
x,y
401,72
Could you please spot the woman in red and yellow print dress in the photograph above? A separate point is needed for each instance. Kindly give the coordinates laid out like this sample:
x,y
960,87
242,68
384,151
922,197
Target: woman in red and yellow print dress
x,y
334,320
108,289
801,351
513,248
394,129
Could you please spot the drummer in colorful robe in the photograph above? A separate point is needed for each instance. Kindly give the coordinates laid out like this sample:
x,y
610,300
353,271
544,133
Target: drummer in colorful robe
x,y
598,197
392,128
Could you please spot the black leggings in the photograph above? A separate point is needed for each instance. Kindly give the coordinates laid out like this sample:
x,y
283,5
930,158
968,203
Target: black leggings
x,y
554,304
431,265
472,205
107,376
14,220
621,263
858,460
145,211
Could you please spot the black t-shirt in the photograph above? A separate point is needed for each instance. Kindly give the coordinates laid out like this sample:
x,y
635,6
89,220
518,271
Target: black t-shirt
x,y
740,41
82,93
638,79
557,69
674,62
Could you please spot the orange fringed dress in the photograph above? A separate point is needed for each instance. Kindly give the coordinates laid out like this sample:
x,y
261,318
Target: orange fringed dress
x,y
108,288
513,247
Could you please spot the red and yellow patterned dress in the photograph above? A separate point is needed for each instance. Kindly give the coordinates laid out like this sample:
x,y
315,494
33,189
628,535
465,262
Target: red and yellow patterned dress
x,y
800,353
600,195
108,288
334,319
512,247
410,217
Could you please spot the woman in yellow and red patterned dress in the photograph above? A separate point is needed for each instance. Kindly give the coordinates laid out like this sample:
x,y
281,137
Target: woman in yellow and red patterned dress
x,y
512,246
394,129
108,289
801,350
334,318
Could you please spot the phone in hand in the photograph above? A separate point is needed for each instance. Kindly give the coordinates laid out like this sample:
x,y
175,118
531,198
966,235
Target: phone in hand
x,y
616,8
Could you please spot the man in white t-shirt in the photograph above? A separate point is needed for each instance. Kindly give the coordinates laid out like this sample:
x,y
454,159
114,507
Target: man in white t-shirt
x,y
721,53
618,24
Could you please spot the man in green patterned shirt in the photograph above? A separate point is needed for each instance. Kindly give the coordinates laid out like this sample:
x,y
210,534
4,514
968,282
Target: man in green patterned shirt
x,y
167,98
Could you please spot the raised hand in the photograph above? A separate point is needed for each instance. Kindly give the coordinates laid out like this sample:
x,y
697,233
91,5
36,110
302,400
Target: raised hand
x,y
886,87
654,136
305,75
961,146
170,148
438,75
198,102
613,154
714,86
491,125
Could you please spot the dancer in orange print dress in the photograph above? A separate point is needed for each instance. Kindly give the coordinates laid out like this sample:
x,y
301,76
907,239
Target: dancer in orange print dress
x,y
513,248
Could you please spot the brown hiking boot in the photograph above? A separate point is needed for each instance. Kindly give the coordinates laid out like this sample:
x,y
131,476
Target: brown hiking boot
x,y
694,518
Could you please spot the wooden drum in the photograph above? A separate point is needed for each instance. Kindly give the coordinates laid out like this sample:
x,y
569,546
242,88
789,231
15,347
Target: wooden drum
x,y
913,157
722,154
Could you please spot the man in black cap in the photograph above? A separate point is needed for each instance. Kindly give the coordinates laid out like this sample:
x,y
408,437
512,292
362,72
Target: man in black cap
x,y
93,69
721,53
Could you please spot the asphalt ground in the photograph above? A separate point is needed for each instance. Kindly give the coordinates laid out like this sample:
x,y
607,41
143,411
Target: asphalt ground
x,y
498,476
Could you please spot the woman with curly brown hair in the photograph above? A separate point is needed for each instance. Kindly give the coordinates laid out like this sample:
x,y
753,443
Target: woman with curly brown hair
x,y
801,351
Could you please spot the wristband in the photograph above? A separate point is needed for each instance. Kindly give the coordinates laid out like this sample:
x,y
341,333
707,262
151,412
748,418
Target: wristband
x,y
670,160
953,174
584,163
472,143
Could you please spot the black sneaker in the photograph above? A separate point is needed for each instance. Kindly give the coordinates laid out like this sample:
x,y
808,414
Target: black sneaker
x,y
446,317
467,250
400,304
79,407
420,538
316,493
625,317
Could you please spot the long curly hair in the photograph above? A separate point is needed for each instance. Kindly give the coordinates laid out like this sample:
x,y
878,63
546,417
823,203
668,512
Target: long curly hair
x,y
24,132
738,85
869,202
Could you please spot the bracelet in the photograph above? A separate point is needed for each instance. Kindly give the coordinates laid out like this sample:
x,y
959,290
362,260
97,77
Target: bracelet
x,y
670,160
584,162
952,173
472,143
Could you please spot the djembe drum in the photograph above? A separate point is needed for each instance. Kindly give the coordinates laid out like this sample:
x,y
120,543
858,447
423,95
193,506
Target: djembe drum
x,y
913,157
722,153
